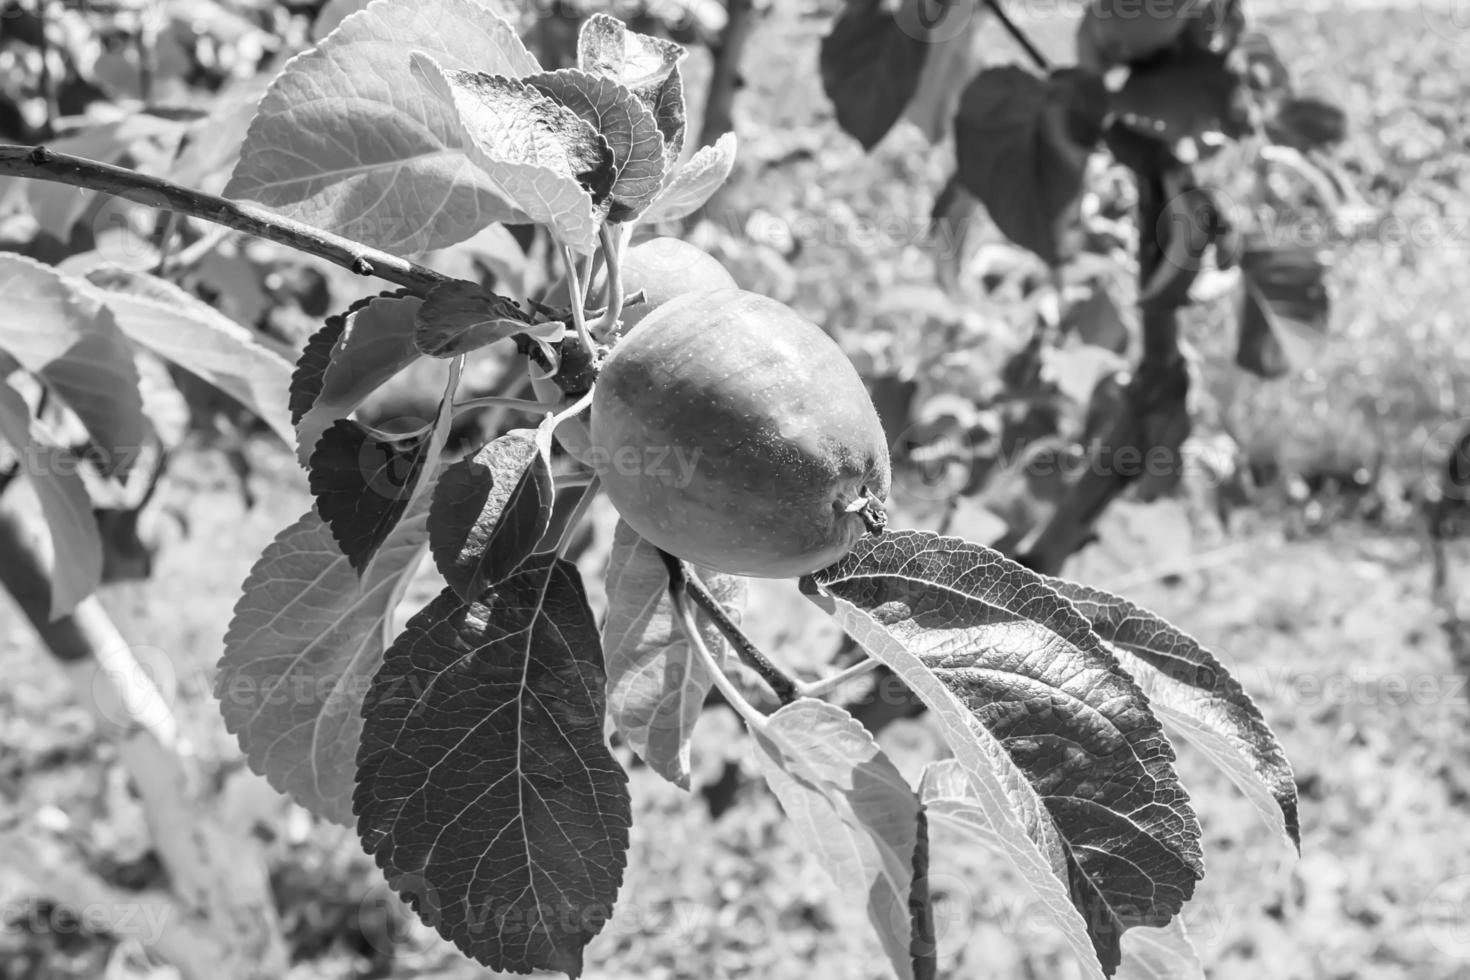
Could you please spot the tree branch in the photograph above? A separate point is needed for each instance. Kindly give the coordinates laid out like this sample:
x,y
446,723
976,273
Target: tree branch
x,y
41,163
1018,35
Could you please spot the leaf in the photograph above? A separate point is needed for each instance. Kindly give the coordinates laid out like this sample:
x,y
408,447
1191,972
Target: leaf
x,y
1189,96
305,639
490,510
656,681
1017,144
458,317
374,341
183,329
363,486
851,806
347,140
76,547
1284,309
647,65
1005,815
628,126
870,69
981,639
695,182
58,329
1160,954
486,791
1306,123
606,47
1119,32
1196,694
546,159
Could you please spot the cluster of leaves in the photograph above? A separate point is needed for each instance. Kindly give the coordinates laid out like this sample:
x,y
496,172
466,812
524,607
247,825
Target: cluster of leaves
x,y
469,748
1162,168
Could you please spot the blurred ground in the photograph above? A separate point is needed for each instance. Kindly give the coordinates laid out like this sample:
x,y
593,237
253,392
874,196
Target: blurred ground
x,y
1328,621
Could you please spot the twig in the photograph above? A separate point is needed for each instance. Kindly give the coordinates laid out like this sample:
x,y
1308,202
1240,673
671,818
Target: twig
x,y
826,685
678,594
502,401
784,686
1018,35
41,163
578,291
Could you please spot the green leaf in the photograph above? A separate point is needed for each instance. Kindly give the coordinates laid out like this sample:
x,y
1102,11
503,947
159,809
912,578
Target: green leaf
x,y
373,341
1003,814
76,547
1308,123
656,681
1195,694
606,47
695,182
305,639
851,807
486,791
1164,953
628,126
1190,96
58,329
991,648
490,510
345,139
458,317
1120,32
363,486
648,66
1022,145
183,329
550,163
870,69
1284,309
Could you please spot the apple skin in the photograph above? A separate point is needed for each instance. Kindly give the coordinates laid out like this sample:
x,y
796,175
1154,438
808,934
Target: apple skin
x,y
662,268
732,432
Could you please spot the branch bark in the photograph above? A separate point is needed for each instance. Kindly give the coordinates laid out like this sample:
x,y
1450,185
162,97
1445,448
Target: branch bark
x,y
41,163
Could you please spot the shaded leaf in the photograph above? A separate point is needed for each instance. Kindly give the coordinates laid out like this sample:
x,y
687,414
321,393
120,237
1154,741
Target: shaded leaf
x,y
1190,96
1007,817
76,547
981,639
851,806
1308,123
486,791
59,330
183,329
1284,309
1120,32
656,681
547,160
460,316
490,510
347,140
625,122
305,639
363,485
870,69
1196,694
374,342
1016,141
666,102
695,182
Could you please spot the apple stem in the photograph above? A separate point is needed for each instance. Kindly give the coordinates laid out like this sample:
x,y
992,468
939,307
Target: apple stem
x,y
578,290
678,595
682,580
612,255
